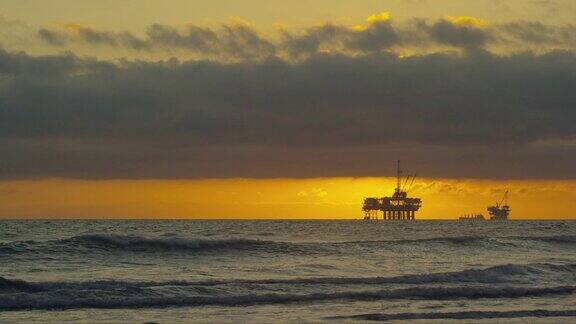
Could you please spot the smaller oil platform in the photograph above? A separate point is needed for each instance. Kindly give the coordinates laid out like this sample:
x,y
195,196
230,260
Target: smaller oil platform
x,y
397,207
501,210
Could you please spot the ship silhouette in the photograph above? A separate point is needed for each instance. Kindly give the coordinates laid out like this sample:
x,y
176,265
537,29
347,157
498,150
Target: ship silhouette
x,y
498,212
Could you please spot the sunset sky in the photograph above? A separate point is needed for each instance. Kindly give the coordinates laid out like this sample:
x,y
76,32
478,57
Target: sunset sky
x,y
285,109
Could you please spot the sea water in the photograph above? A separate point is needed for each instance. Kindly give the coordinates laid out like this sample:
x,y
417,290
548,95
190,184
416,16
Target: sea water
x,y
287,271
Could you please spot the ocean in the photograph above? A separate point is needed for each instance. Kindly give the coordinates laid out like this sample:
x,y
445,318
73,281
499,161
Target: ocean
x,y
180,271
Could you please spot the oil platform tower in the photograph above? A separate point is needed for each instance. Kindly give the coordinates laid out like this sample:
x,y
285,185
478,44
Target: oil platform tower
x,y
397,207
501,210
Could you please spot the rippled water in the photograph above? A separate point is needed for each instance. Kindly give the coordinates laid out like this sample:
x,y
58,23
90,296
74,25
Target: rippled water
x,y
287,271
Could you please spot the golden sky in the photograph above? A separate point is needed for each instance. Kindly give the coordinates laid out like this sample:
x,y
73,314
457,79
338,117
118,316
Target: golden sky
x,y
135,14
20,20
296,107
318,198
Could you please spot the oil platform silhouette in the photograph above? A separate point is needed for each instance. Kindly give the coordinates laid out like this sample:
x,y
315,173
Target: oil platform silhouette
x,y
397,207
501,210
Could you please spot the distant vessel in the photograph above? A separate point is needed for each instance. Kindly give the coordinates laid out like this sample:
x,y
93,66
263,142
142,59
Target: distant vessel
x,y
397,207
498,212
501,210
477,217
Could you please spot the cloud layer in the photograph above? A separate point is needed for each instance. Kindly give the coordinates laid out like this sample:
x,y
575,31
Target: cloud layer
x,y
328,100
337,115
240,40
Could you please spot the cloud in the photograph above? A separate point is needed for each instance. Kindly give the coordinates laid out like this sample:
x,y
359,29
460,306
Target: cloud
x,y
540,34
314,39
235,39
476,115
379,35
378,18
52,37
466,21
465,32
90,35
239,40
194,37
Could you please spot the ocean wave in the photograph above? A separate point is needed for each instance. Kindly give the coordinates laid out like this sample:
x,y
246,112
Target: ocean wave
x,y
137,298
163,243
16,285
115,242
6,250
558,239
381,317
457,240
509,273
473,240
142,244
496,274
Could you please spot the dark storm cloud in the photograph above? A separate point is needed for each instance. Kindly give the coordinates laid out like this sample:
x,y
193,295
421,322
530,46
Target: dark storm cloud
x,y
325,115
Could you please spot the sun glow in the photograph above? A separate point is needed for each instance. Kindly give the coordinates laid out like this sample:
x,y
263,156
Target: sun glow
x,y
466,21
333,198
378,17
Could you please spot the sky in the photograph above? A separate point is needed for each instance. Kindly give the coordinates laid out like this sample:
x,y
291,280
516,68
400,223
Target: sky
x,y
278,109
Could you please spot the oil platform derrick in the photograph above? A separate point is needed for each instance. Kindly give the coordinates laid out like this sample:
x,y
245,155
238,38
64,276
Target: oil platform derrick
x,y
501,210
397,207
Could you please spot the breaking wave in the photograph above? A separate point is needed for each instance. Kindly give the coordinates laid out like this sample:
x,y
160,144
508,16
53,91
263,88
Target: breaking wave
x,y
142,244
19,294
113,241
136,298
15,285
509,273
457,240
558,239
460,315
464,240
497,274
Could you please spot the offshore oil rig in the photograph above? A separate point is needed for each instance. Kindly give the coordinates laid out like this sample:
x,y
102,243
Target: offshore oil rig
x,y
498,212
397,207
501,210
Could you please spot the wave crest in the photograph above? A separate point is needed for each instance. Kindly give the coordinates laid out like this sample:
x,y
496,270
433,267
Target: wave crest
x,y
558,239
16,285
130,298
459,315
170,242
163,243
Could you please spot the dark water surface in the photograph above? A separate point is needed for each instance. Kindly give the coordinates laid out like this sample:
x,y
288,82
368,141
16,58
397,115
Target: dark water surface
x,y
287,271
